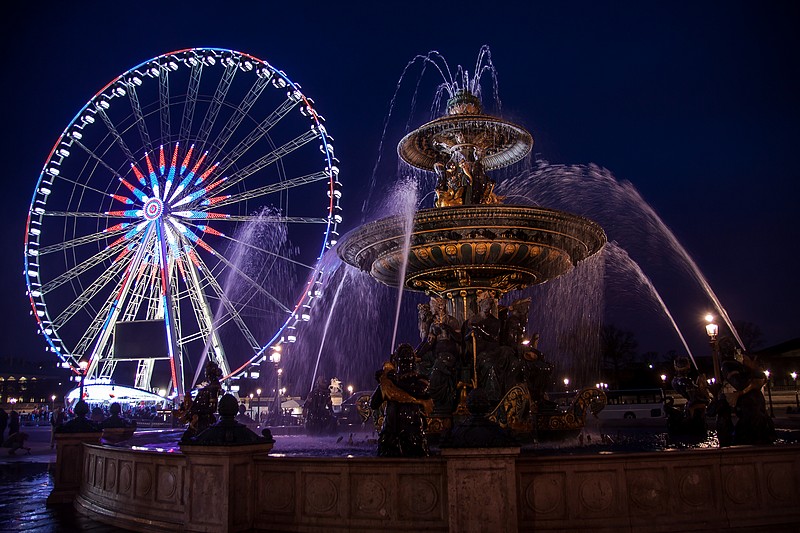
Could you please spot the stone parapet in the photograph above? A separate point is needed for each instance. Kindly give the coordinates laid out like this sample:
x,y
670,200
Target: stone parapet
x,y
238,488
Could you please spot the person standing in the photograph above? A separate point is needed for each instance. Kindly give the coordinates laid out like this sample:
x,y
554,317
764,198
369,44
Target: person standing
x,y
13,423
56,419
3,424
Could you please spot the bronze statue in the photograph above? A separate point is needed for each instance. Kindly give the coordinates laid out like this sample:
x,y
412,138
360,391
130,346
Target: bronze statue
x,y
200,412
404,392
318,410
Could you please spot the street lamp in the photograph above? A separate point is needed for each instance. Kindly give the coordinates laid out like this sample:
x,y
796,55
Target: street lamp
x,y
53,402
713,330
83,364
566,383
796,397
258,406
769,394
350,390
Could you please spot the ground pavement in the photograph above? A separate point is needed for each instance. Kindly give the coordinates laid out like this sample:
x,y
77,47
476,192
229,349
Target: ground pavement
x,y
25,483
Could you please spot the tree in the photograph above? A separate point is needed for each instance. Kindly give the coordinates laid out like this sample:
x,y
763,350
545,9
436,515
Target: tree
x,y
617,348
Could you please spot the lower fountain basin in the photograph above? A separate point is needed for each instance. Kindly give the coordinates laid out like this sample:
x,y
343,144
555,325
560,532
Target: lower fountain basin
x,y
459,490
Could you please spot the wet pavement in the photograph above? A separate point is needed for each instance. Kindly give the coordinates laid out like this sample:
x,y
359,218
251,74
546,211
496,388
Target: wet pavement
x,y
25,483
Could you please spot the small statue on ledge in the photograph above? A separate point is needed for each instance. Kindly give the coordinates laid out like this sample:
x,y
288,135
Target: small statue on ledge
x,y
199,413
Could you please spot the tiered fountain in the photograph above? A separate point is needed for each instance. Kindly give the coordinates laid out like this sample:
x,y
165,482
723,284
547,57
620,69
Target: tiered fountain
x,y
472,247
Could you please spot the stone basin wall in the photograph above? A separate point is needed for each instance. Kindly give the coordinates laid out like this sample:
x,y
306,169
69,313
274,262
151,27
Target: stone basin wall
x,y
747,488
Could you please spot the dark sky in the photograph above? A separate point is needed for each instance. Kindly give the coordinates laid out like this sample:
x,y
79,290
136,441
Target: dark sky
x,y
695,103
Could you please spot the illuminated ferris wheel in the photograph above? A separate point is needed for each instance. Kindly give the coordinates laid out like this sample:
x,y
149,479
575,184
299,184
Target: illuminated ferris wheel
x,y
170,211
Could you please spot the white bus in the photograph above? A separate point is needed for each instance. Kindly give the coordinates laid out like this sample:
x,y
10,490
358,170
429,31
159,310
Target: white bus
x,y
631,404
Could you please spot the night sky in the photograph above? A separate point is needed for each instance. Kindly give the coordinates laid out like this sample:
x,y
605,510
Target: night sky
x,y
696,104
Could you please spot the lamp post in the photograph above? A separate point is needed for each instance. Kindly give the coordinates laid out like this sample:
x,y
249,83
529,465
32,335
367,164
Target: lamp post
x,y
251,405
769,394
258,406
275,358
663,381
83,365
53,402
566,384
712,330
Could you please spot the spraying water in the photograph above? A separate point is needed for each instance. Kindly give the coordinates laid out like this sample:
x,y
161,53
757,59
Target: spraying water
x,y
325,329
618,207
407,202
620,261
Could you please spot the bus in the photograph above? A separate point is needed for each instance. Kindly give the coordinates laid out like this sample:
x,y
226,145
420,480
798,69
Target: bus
x,y
631,404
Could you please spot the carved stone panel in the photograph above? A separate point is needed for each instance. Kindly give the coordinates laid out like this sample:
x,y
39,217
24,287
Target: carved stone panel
x,y
421,497
369,496
648,490
111,475
167,483
275,492
544,496
322,494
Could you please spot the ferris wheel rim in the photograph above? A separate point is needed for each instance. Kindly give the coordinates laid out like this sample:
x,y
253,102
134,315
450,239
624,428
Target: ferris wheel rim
x,y
31,266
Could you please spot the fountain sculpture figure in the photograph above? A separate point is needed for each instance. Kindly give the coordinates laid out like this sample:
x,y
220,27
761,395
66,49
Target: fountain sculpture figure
x,y
467,252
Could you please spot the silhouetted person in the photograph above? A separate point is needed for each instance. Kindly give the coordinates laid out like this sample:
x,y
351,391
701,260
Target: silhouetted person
x,y
115,420
3,423
56,419
16,441
13,423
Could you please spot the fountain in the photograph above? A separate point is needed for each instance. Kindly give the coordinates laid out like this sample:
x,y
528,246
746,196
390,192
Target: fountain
x,y
467,253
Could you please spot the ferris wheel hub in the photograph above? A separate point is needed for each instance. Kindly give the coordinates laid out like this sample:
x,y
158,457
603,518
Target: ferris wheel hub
x,y
153,209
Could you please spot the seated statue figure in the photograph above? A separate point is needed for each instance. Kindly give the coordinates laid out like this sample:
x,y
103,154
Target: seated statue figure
x,y
318,410
200,412
404,391
692,418
753,425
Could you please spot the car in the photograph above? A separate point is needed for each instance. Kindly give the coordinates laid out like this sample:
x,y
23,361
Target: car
x,y
355,409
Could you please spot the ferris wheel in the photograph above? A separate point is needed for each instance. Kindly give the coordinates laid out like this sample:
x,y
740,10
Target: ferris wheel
x,y
177,198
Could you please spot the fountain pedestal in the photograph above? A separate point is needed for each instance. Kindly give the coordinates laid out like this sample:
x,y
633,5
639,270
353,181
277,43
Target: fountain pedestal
x,y
481,488
221,484
69,465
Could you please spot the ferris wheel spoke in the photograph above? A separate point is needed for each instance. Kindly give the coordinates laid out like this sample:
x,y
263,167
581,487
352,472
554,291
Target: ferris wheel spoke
x,y
86,239
88,293
130,213
205,321
268,159
264,251
217,101
191,101
238,115
259,132
136,107
97,158
80,268
229,307
272,188
117,136
253,283
280,220
94,327
163,104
